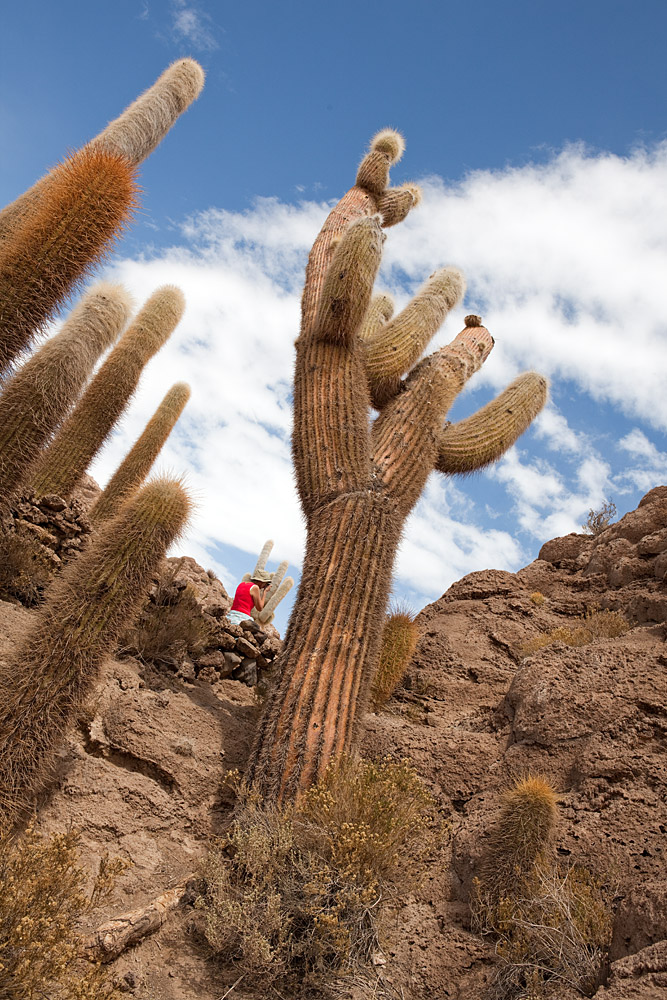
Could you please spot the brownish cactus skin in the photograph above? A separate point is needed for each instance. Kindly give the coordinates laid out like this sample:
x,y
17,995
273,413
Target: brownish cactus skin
x,y
133,135
84,432
84,206
356,483
138,462
43,685
37,399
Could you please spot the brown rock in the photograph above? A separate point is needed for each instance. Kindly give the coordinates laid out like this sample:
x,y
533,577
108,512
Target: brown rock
x,y
246,648
564,551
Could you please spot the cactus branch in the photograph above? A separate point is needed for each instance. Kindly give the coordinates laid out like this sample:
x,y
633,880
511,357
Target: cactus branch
x,y
85,204
43,685
82,435
36,400
399,344
485,436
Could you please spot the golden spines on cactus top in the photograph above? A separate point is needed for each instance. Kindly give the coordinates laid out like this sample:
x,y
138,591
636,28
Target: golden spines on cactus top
x,y
44,683
37,399
108,395
84,205
139,460
133,135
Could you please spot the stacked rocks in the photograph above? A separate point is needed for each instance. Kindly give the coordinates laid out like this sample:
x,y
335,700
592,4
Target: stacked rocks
x,y
243,652
58,528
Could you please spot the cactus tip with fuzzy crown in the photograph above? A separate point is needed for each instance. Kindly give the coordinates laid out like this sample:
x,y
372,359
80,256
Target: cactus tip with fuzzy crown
x,y
390,142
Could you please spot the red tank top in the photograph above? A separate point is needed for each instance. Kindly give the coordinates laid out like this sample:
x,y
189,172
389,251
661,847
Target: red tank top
x,y
243,598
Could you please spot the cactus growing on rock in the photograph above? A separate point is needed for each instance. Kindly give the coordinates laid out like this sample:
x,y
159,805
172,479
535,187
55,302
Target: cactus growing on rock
x,y
138,462
357,482
400,635
84,432
133,135
37,399
83,207
43,685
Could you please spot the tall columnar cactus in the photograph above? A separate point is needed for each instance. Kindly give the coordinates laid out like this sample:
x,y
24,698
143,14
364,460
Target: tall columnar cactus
x,y
357,482
37,399
135,134
279,588
400,634
43,685
83,207
138,462
521,837
84,432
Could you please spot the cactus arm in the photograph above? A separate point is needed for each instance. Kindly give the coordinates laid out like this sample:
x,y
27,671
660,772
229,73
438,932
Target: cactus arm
x,y
485,436
57,664
399,344
133,135
266,614
136,465
86,204
330,439
263,556
395,203
60,467
37,399
406,434
378,314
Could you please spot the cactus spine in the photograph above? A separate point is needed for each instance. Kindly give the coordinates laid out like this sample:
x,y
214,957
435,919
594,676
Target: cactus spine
x,y
356,484
135,134
106,398
84,206
137,463
400,635
36,400
53,671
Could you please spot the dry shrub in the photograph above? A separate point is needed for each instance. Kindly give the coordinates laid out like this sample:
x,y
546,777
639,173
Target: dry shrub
x,y
41,901
553,929
593,625
400,635
598,520
538,598
170,625
295,895
25,572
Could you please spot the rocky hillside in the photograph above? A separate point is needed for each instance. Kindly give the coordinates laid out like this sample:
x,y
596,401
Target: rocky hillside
x,y
142,775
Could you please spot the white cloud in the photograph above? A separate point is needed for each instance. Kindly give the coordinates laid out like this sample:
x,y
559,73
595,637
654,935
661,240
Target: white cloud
x,y
650,464
566,261
192,25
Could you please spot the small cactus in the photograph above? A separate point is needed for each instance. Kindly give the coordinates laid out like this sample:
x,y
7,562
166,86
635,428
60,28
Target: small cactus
x,y
82,435
138,462
37,399
400,635
44,683
521,837
135,134
85,203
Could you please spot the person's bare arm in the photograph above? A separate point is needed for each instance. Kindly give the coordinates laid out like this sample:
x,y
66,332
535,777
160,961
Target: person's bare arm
x,y
257,595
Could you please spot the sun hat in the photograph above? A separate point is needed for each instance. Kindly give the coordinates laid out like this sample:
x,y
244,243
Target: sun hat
x,y
261,576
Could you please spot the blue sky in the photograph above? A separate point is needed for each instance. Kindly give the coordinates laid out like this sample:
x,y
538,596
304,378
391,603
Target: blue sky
x,y
538,132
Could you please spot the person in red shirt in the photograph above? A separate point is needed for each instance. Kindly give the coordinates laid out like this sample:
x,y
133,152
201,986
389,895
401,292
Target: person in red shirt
x,y
250,594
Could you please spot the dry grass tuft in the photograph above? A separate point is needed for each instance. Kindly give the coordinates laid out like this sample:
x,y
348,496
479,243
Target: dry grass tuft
x,y
42,899
598,520
594,625
538,598
295,896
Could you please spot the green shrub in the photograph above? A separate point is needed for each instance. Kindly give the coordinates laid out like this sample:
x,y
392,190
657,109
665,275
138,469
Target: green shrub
x,y
295,895
41,901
